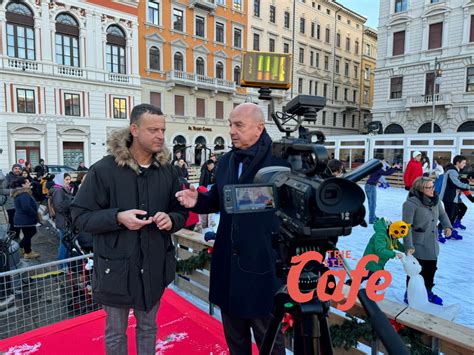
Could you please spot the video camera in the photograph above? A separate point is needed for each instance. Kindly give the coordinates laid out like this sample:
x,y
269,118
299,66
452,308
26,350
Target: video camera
x,y
312,205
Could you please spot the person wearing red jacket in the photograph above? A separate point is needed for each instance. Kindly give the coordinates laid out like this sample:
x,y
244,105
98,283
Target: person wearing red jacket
x,y
413,170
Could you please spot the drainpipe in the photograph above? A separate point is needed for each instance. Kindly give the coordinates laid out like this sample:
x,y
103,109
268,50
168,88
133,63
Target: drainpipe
x,y
334,55
293,77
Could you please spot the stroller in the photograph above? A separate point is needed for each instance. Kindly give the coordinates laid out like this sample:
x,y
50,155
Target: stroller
x,y
79,275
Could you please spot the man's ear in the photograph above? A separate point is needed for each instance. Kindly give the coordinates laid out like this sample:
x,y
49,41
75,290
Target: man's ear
x,y
261,127
134,129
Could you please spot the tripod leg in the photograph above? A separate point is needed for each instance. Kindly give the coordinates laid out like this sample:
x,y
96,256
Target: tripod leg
x,y
271,333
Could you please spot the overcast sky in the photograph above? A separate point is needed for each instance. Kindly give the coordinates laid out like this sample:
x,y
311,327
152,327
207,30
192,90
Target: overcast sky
x,y
366,8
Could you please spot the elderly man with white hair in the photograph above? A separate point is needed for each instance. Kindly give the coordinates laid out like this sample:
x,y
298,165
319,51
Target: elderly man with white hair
x,y
243,279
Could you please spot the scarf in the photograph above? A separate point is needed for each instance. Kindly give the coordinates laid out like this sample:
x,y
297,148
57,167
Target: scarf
x,y
425,200
253,157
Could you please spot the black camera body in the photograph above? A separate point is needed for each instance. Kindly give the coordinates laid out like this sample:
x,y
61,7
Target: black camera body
x,y
312,205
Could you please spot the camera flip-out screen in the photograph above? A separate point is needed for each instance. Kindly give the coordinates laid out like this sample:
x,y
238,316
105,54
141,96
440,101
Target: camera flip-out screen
x,y
249,198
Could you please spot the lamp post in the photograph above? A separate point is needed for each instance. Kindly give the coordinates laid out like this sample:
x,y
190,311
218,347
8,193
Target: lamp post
x,y
437,75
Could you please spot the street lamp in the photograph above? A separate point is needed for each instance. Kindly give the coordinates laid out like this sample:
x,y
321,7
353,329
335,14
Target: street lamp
x,y
438,72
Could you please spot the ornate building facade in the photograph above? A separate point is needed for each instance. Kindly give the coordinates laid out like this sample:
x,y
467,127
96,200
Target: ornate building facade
x,y
69,76
425,57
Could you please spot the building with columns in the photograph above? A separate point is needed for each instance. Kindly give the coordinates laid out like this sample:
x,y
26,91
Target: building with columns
x,y
367,75
69,74
190,60
410,93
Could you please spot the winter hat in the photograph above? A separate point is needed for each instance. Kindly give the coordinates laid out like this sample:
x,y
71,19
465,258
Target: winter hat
x,y
16,166
415,154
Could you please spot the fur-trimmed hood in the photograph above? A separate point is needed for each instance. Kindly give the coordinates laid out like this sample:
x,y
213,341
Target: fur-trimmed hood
x,y
20,190
119,143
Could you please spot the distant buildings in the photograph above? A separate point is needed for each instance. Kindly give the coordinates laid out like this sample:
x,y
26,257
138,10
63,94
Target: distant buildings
x,y
412,36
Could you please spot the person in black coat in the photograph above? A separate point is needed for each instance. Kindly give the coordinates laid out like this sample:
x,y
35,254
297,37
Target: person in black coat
x,y
41,169
127,203
243,280
207,175
26,214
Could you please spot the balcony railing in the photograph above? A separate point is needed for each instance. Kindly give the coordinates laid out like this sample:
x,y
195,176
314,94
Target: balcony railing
x,y
69,71
427,100
200,81
118,78
209,5
22,64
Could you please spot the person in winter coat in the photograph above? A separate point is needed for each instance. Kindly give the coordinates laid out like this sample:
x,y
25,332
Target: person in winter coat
x,y
422,210
41,169
384,243
127,203
243,280
414,170
62,198
371,189
82,167
26,214
7,190
207,175
450,189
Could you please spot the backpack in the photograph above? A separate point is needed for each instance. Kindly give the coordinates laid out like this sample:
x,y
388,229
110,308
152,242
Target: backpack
x,y
438,184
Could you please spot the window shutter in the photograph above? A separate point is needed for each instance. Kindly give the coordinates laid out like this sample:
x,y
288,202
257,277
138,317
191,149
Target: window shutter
x,y
471,38
179,105
399,43
220,109
200,107
155,99
436,35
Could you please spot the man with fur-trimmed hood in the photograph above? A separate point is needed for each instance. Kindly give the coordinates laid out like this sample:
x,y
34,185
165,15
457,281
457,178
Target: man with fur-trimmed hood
x,y
127,203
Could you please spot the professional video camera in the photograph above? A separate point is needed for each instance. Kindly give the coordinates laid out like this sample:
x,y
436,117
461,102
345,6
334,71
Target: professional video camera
x,y
314,208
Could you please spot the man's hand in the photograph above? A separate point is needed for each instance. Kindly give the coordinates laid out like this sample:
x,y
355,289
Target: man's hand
x,y
187,198
410,251
129,219
447,232
163,221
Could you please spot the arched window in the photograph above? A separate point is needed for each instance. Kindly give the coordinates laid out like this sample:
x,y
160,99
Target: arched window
x,y
237,75
219,70
199,150
67,40
20,31
393,129
178,61
466,127
426,128
116,43
200,66
154,58
179,144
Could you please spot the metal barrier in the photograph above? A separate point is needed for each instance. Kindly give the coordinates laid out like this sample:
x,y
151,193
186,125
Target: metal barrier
x,y
44,294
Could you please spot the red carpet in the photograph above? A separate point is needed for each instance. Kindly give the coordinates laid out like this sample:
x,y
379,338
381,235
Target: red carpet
x,y
183,329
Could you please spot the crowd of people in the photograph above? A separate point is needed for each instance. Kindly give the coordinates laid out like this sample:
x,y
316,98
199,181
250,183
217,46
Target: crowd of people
x,y
134,198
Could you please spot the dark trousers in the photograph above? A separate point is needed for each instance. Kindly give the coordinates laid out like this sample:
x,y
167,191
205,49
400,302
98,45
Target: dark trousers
x,y
451,210
28,233
462,209
116,341
15,230
428,270
239,339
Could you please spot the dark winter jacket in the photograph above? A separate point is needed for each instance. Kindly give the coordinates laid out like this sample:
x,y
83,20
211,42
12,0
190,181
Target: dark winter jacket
x,y
207,177
7,190
62,199
374,178
423,214
414,170
382,245
131,268
451,184
40,170
243,279
26,209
